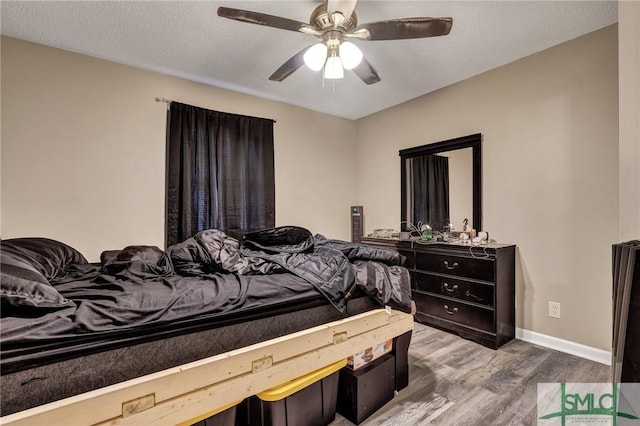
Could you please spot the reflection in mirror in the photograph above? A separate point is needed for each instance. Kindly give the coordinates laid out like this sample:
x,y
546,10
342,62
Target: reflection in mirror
x,y
461,187
428,190
441,184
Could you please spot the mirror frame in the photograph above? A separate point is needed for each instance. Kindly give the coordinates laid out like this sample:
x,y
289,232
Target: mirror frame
x,y
472,141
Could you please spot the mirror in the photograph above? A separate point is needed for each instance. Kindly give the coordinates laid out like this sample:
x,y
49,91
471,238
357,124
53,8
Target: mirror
x,y
441,183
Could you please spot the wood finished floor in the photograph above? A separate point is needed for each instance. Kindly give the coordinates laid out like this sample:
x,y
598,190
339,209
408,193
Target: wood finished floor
x,y
453,381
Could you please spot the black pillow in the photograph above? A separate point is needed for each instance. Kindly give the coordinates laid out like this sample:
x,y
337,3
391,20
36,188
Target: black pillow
x,y
282,239
140,261
49,257
22,285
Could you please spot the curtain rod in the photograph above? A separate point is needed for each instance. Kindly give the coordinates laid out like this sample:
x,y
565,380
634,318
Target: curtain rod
x,y
168,102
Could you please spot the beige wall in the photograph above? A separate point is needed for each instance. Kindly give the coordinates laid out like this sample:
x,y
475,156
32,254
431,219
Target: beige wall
x,y
550,173
83,151
629,77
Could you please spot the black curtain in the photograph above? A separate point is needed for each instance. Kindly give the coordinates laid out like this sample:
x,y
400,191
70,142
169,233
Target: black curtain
x,y
220,172
431,190
625,365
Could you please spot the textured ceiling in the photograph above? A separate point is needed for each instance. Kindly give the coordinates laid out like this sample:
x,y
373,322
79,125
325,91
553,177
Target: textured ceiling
x,y
188,39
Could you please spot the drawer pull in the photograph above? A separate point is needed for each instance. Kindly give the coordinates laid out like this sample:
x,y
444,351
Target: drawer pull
x,y
469,294
454,266
450,290
452,312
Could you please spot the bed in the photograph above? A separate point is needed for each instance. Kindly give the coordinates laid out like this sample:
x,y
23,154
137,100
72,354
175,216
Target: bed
x,y
70,328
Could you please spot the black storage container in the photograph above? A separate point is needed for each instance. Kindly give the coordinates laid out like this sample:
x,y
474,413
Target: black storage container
x,y
223,418
401,352
362,392
315,405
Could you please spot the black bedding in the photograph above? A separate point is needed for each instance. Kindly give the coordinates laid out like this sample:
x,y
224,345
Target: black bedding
x,y
107,304
54,299
56,306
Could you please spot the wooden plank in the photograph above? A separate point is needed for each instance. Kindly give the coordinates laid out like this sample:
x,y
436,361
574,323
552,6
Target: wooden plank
x,y
204,385
137,405
187,406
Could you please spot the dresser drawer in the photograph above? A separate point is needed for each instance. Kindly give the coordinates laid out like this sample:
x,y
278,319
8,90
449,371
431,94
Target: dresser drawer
x,y
480,269
458,312
460,289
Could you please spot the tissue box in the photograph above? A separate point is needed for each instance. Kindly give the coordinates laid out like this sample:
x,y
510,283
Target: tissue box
x,y
365,357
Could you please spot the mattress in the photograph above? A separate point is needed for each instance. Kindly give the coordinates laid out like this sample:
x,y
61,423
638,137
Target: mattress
x,y
83,369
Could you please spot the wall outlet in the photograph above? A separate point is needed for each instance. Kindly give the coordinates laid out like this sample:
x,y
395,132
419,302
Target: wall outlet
x,y
554,309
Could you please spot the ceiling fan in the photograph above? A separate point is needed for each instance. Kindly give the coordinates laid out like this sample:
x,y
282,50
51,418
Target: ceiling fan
x,y
334,22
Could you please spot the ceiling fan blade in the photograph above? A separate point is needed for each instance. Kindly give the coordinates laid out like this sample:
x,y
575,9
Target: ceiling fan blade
x,y
345,7
289,67
261,19
366,72
396,29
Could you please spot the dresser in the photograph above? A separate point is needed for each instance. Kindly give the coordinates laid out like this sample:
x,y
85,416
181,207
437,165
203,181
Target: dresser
x,y
468,290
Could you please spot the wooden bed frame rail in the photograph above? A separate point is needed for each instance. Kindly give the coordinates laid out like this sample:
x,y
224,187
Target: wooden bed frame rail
x,y
180,394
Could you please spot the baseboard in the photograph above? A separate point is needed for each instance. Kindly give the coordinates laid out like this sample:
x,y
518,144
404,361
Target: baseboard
x,y
566,346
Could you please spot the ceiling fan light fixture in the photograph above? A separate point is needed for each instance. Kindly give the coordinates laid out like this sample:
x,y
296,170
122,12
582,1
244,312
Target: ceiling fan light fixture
x,y
333,68
333,22
315,56
350,55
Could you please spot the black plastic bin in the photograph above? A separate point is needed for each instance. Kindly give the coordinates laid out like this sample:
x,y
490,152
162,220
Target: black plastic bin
x,y
224,418
362,392
313,405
